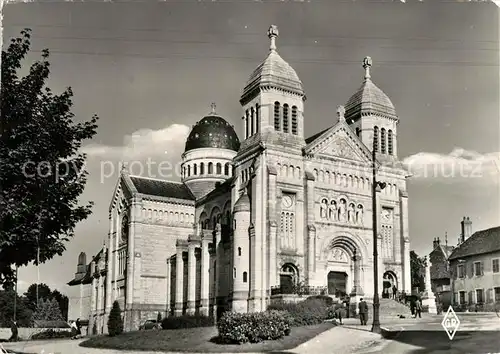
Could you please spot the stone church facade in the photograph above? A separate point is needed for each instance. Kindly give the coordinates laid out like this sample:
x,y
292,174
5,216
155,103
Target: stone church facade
x,y
265,217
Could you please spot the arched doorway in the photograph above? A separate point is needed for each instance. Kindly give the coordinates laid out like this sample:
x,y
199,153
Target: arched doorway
x,y
337,284
288,278
389,283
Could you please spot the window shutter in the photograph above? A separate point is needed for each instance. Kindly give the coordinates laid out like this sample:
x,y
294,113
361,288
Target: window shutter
x,y
482,267
472,269
471,297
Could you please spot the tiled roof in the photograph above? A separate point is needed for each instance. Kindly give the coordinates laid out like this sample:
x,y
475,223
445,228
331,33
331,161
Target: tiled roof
x,y
447,250
85,279
484,241
439,260
274,70
161,188
212,132
315,136
369,98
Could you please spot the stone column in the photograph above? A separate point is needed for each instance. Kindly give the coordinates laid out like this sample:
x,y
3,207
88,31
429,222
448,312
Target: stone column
x,y
168,286
191,300
116,252
311,229
179,282
429,299
356,289
218,267
272,215
205,275
254,292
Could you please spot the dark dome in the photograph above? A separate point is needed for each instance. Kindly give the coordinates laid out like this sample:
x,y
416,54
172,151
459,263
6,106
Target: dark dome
x,y
212,132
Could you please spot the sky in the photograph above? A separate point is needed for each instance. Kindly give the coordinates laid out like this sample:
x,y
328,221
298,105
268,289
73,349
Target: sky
x,y
150,71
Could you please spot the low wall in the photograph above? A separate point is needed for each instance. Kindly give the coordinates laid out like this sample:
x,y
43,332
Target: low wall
x,y
26,333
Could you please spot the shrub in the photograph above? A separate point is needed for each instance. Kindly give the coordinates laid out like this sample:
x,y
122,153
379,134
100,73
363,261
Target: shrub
x,y
305,313
331,311
187,321
51,334
238,328
115,322
492,307
327,299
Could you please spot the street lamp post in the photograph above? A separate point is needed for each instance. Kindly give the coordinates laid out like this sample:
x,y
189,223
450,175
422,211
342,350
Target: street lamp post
x,y
375,185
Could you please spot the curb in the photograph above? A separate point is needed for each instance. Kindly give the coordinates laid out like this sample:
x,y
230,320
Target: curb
x,y
388,333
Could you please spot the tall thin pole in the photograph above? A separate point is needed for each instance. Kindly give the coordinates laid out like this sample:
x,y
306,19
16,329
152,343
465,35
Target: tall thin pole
x,y
15,298
376,300
37,267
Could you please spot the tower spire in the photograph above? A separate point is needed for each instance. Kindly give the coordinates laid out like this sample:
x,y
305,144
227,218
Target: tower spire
x,y
213,106
367,63
273,33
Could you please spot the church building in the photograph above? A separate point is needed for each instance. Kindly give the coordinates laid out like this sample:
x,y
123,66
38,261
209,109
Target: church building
x,y
271,215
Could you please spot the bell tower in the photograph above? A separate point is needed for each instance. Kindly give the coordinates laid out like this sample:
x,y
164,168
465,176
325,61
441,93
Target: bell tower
x,y
273,101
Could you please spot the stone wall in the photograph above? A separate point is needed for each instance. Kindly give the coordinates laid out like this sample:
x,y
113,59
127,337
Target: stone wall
x,y
26,333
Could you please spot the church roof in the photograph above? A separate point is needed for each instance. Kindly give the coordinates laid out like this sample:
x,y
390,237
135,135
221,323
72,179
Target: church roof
x,y
273,71
243,203
481,242
160,188
369,99
212,131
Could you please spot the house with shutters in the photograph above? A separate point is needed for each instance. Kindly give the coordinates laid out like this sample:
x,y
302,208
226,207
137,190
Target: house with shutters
x,y
475,267
440,270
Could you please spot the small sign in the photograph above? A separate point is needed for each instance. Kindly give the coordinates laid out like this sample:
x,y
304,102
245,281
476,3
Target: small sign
x,y
450,323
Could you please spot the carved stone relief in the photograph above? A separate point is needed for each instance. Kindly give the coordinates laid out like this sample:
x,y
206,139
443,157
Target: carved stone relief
x,y
341,211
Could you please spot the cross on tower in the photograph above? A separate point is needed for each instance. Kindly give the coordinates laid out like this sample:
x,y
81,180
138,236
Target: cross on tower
x,y
367,63
212,108
273,33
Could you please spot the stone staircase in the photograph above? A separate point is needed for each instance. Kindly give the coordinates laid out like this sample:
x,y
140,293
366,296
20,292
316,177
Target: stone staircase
x,y
390,309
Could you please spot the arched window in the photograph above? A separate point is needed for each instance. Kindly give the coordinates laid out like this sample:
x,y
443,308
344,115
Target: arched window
x,y
294,121
257,118
285,118
247,124
382,140
358,131
252,121
210,168
226,169
195,169
277,125
202,168
389,141
189,171
239,251
375,139
219,169
245,277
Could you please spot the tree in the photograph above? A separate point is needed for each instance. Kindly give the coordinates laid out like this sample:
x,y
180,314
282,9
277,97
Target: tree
x,y
115,322
417,266
48,310
42,173
23,312
45,293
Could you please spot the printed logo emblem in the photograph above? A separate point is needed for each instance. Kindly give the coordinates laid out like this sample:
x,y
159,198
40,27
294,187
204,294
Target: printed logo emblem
x,y
450,323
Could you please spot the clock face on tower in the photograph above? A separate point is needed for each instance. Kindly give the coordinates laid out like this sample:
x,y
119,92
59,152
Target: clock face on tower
x,y
287,201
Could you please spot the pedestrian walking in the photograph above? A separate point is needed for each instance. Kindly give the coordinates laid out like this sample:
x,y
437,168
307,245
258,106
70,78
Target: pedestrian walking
x,y
338,313
394,292
74,330
363,312
418,308
13,328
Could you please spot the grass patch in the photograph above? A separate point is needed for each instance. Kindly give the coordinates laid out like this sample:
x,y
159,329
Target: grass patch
x,y
200,340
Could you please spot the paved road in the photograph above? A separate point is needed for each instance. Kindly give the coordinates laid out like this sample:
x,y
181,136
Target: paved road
x,y
476,334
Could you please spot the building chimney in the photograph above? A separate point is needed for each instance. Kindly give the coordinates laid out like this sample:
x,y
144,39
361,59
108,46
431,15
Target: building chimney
x,y
436,243
466,226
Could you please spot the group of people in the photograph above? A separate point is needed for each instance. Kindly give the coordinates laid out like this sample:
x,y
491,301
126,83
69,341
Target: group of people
x,y
416,308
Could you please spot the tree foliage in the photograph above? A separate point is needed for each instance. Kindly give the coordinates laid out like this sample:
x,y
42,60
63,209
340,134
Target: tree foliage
x,y
42,173
23,312
47,310
417,266
115,321
45,293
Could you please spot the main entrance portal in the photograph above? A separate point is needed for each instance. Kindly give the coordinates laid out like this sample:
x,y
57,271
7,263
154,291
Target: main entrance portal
x,y
337,284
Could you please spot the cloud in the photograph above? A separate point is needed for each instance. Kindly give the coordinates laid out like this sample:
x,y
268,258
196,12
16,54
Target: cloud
x,y
143,143
459,164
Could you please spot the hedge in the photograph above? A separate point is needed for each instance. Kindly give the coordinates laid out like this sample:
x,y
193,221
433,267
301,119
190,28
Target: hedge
x,y
51,334
309,312
186,321
238,328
